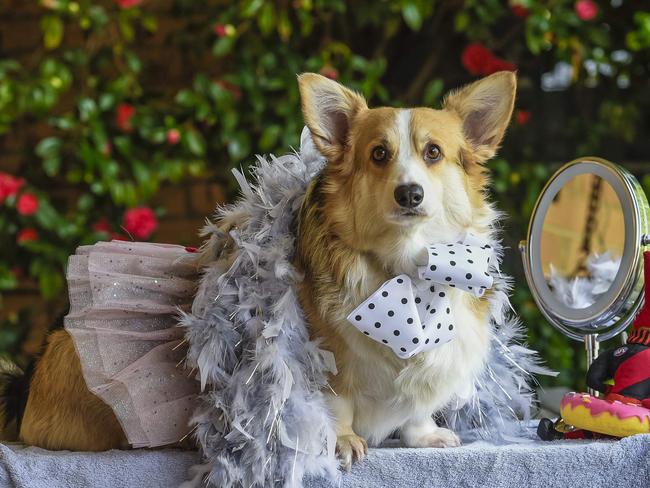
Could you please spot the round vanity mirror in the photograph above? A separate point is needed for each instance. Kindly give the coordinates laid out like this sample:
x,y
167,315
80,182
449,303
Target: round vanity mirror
x,y
583,255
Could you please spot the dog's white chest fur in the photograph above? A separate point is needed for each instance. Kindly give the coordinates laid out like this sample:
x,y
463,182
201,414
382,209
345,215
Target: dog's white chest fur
x,y
390,392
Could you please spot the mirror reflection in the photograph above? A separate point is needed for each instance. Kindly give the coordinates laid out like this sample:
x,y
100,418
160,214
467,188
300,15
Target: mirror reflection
x,y
582,241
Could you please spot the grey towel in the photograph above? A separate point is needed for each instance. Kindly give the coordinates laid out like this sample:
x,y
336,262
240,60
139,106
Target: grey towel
x,y
31,467
538,464
558,464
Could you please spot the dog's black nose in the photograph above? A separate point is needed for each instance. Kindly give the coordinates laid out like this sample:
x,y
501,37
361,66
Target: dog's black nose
x,y
409,196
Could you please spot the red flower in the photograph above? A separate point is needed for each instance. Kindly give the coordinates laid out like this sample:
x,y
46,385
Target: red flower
x,y
27,204
586,9
220,30
519,10
128,3
9,186
173,136
123,116
140,222
102,226
191,249
329,72
26,235
522,116
479,60
497,64
224,30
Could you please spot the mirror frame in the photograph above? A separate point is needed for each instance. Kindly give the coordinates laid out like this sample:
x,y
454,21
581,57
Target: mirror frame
x,y
617,307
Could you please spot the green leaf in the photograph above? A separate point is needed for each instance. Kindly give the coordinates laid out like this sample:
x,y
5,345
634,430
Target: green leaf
x,y
52,27
433,92
126,26
194,142
223,46
85,203
48,147
250,7
98,16
133,61
8,280
51,283
106,101
51,166
150,23
269,137
266,18
461,21
87,109
239,145
412,16
186,98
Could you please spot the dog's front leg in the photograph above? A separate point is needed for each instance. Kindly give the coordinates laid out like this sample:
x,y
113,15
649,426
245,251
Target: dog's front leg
x,y
349,446
424,432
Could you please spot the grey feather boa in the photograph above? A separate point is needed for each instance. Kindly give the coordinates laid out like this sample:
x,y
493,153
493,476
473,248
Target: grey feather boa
x,y
262,420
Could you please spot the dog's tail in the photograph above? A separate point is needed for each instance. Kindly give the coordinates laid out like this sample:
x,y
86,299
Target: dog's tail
x,y
14,389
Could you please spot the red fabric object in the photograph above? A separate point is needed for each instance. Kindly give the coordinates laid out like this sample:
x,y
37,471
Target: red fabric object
x,y
575,434
639,336
9,186
615,397
140,222
479,60
27,204
642,320
631,371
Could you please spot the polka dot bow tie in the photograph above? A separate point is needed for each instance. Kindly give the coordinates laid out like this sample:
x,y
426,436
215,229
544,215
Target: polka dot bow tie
x,y
412,315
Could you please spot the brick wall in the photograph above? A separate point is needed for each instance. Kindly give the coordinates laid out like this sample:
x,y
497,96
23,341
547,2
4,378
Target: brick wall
x,y
187,204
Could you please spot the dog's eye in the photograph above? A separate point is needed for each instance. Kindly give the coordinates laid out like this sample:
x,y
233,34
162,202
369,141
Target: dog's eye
x,y
432,153
379,154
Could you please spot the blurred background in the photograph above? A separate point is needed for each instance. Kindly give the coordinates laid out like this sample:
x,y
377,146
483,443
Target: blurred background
x,y
123,118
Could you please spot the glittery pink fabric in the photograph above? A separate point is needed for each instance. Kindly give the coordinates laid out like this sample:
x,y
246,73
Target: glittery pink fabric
x,y
124,303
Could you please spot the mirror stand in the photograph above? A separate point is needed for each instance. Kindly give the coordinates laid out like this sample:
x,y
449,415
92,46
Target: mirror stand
x,y
591,345
589,207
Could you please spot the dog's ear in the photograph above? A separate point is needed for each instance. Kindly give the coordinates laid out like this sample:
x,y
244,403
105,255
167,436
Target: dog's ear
x,y
485,108
328,109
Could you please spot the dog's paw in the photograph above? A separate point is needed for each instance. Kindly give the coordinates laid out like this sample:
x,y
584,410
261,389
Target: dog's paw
x,y
350,448
438,438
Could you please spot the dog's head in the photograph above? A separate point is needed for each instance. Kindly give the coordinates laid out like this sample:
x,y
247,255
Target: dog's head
x,y
404,170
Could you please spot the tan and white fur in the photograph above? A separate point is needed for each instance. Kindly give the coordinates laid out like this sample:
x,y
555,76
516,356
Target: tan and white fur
x,y
353,234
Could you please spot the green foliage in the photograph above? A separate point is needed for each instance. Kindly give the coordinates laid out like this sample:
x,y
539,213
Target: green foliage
x,y
116,131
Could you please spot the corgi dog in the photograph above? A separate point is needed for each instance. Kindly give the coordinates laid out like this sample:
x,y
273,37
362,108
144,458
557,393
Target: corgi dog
x,y
395,181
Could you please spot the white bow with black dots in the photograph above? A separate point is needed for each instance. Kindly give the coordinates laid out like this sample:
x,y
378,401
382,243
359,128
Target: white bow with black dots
x,y
412,315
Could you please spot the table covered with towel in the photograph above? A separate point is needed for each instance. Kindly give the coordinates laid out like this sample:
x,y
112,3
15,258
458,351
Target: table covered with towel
x,y
528,463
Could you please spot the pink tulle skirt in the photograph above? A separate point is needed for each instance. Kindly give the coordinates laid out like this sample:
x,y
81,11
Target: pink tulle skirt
x,y
125,299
